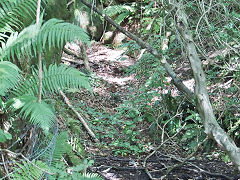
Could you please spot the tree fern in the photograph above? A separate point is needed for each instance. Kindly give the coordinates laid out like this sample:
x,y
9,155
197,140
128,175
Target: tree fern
x,y
9,76
29,171
32,39
54,77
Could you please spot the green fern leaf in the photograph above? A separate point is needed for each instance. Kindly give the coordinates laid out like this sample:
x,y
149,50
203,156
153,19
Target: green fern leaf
x,y
57,32
29,171
61,147
19,44
87,176
77,146
9,76
54,77
38,113
3,33
122,16
33,38
123,12
12,12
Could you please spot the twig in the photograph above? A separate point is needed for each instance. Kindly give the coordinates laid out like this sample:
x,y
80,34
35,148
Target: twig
x,y
5,167
163,129
82,56
20,137
70,2
85,57
20,154
71,61
169,169
69,52
79,116
145,160
202,170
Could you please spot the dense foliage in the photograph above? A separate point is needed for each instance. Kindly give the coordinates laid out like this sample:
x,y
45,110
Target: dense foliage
x,y
153,104
19,90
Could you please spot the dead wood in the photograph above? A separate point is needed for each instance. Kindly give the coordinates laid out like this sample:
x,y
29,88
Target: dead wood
x,y
90,132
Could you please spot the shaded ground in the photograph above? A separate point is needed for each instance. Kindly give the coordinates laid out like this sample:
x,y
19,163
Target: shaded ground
x,y
129,169
109,65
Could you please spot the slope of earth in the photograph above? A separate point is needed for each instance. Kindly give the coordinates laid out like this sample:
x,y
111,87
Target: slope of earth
x,y
111,90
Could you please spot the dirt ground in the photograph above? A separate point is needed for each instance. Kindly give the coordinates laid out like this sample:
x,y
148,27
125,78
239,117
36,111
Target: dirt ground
x,y
109,64
119,168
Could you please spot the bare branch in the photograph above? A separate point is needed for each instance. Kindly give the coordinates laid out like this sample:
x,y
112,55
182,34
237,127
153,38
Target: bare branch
x,y
79,116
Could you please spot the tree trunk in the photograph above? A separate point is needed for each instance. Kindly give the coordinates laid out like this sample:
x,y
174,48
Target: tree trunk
x,y
204,107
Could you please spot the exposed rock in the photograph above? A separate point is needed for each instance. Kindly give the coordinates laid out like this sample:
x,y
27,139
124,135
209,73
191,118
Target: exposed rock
x,y
89,21
108,37
114,38
119,39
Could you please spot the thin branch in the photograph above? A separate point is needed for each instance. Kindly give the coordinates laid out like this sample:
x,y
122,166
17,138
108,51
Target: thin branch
x,y
152,153
20,154
64,59
85,57
91,133
184,161
204,106
5,166
39,57
69,52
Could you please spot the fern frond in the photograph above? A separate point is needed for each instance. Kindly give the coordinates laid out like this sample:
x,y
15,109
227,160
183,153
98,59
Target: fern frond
x,y
9,76
12,12
59,171
77,146
61,148
20,43
3,33
27,170
57,32
33,39
87,176
54,77
123,11
38,113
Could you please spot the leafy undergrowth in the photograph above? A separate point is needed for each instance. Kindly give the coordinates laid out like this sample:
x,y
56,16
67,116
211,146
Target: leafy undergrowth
x,y
131,121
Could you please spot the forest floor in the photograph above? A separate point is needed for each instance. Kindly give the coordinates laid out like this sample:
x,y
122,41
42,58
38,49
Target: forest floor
x,y
109,65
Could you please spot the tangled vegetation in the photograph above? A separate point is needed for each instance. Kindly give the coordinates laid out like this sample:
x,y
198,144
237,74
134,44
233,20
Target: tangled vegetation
x,y
186,89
